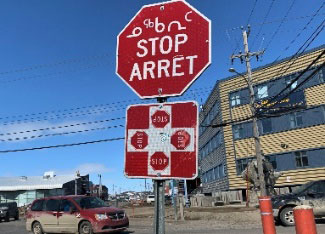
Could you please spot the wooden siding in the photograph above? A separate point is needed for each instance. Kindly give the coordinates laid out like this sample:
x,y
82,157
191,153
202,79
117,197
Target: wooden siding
x,y
260,76
297,139
315,95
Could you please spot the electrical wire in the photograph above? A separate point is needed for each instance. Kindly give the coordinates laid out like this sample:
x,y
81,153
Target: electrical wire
x,y
59,134
58,63
79,110
61,127
264,20
302,30
278,28
252,11
294,57
62,145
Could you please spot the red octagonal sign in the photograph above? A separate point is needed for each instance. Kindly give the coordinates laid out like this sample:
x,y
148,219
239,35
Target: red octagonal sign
x,y
160,119
163,49
181,139
159,161
139,140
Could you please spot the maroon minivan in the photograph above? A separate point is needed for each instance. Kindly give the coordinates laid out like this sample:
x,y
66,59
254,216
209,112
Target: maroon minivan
x,y
74,214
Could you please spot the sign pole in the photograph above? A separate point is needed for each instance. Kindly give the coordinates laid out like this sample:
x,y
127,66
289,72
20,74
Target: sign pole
x,y
159,221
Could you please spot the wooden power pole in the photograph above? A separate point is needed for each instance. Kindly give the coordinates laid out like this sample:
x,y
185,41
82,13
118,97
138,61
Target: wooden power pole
x,y
258,150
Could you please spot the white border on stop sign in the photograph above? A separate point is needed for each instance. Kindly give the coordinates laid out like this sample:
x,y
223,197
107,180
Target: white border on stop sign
x,y
196,141
196,77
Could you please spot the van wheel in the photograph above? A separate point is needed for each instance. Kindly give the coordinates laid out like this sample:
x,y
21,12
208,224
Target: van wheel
x,y
7,218
85,228
286,216
37,228
17,216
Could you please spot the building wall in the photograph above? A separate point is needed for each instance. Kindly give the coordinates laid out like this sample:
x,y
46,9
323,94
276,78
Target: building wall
x,y
283,141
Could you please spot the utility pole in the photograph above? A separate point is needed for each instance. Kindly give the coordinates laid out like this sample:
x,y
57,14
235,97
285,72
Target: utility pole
x,y
100,186
246,57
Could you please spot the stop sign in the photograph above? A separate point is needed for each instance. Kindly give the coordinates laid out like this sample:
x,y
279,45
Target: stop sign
x,y
160,119
181,139
163,49
139,140
159,161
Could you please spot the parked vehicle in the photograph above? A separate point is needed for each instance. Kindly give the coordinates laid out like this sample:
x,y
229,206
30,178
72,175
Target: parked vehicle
x,y
9,210
74,214
311,193
150,199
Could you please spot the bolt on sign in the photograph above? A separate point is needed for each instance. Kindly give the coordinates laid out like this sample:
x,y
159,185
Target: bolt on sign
x,y
163,49
161,140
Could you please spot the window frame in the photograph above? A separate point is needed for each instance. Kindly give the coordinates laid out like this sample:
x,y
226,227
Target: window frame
x,y
238,128
289,79
294,119
235,99
301,155
267,120
261,94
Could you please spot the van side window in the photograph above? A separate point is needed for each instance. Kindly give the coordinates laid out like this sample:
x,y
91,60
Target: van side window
x,y
37,206
52,205
66,206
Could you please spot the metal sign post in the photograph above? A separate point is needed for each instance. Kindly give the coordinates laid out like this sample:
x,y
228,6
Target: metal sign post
x,y
159,220
160,53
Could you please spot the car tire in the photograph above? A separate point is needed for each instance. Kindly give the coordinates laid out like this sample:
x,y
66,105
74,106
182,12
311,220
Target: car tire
x,y
37,228
286,217
7,218
17,216
85,228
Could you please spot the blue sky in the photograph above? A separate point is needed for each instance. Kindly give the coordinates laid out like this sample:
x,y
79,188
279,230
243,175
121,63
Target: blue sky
x,y
59,56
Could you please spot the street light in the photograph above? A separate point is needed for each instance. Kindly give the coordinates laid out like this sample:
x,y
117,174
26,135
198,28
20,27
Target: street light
x,y
232,70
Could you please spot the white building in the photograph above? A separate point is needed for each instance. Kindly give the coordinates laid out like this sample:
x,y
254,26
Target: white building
x,y
25,190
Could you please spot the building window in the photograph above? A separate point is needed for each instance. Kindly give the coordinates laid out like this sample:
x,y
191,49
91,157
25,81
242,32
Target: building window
x,y
262,92
301,159
272,160
289,79
266,125
321,76
235,99
238,131
296,120
242,164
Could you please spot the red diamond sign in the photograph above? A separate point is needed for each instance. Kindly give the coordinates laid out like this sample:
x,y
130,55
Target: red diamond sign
x,y
163,49
181,139
160,119
159,161
161,141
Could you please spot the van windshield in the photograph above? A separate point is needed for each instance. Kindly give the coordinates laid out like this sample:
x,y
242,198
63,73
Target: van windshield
x,y
89,202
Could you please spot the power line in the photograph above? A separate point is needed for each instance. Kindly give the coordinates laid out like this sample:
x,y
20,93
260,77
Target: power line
x,y
77,110
278,20
62,145
61,127
264,20
297,78
294,57
54,74
302,30
54,64
282,21
59,134
252,11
